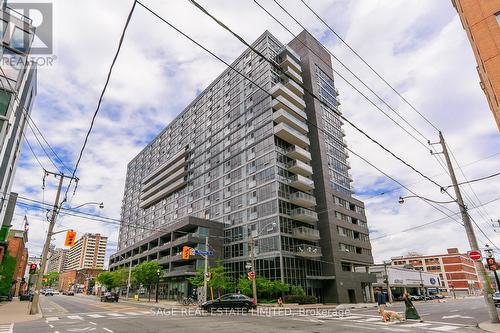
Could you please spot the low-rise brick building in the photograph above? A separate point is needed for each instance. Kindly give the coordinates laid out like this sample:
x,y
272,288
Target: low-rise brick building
x,y
456,270
77,280
16,247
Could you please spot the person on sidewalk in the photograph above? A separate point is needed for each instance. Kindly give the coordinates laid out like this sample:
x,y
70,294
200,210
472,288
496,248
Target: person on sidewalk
x,y
280,302
381,302
410,310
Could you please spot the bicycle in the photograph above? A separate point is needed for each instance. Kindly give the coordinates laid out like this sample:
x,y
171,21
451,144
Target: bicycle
x,y
189,301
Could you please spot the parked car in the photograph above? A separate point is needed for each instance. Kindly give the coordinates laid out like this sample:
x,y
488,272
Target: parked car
x,y
496,299
109,296
416,297
49,292
438,296
70,293
230,301
55,292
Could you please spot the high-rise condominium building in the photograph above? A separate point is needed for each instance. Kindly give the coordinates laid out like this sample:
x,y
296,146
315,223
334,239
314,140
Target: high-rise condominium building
x,y
255,161
17,92
88,252
481,21
57,260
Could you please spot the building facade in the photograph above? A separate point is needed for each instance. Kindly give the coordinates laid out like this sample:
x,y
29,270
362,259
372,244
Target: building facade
x,y
481,21
166,247
17,92
17,248
88,252
78,280
456,270
57,260
244,154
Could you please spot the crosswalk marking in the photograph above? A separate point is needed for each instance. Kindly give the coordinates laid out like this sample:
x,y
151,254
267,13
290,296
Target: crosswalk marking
x,y
6,328
51,318
75,317
372,319
445,328
95,315
113,314
417,325
132,313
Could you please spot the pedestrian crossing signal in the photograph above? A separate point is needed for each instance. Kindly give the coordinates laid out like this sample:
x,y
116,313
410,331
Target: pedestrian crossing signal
x,y
186,251
33,268
492,265
70,238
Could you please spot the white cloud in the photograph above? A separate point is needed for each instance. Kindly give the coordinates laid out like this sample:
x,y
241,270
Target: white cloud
x,y
419,46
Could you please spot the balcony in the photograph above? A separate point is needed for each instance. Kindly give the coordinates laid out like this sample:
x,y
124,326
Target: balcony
x,y
294,87
290,62
306,233
287,133
282,103
302,199
308,251
300,168
283,116
301,183
182,271
291,72
304,215
280,90
298,153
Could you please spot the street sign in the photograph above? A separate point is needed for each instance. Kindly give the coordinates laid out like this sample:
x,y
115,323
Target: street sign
x,y
251,275
475,255
208,276
204,253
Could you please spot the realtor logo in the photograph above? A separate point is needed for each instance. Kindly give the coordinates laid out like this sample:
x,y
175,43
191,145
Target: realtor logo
x,y
41,16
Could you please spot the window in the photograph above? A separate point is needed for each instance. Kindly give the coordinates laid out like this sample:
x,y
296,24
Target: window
x,y
497,15
20,40
4,102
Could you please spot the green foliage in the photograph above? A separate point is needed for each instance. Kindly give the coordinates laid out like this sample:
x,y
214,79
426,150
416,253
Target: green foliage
x,y
244,285
198,279
106,279
266,289
301,299
221,279
297,290
52,278
6,272
146,273
120,277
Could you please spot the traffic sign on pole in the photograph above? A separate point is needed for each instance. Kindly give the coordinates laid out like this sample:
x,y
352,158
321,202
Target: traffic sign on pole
x,y
475,255
251,275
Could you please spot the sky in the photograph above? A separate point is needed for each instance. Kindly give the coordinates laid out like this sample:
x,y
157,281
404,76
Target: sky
x,y
418,46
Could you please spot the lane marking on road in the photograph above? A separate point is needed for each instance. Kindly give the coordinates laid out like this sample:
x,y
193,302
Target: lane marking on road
x,y
445,328
51,319
114,314
91,322
372,319
359,326
51,326
145,312
416,325
107,330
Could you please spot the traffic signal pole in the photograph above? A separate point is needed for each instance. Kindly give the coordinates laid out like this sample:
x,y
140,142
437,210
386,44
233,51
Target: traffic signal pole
x,y
36,295
205,275
486,290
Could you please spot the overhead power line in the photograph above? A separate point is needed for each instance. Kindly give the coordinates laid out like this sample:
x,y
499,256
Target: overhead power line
x,y
475,180
201,8
369,66
108,77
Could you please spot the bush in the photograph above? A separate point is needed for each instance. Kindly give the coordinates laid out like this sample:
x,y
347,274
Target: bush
x,y
7,269
301,299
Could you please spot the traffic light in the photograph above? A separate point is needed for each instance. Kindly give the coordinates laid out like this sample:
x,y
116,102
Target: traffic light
x,y
33,267
70,238
492,265
185,252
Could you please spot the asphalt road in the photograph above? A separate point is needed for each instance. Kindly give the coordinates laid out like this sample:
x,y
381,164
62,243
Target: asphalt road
x,y
87,314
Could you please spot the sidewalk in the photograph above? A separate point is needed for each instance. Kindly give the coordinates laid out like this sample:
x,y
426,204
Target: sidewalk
x,y
15,312
489,327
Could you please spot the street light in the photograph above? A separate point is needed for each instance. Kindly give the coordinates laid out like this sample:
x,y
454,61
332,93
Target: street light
x,y
252,259
157,283
402,199
99,204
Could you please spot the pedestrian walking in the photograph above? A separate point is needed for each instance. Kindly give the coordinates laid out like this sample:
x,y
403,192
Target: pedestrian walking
x,y
381,302
410,310
280,302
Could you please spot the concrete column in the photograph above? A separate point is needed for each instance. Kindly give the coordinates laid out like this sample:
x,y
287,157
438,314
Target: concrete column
x,y
372,294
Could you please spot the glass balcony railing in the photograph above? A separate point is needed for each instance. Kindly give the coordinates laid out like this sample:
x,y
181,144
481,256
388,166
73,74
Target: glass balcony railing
x,y
304,215
300,168
302,183
306,233
291,135
298,153
302,199
309,251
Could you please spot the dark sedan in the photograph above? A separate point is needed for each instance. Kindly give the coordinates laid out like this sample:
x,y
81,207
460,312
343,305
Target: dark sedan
x,y
496,299
230,301
109,296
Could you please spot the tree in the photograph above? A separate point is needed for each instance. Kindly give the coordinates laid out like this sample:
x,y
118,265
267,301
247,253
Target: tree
x,y
52,278
120,277
106,279
244,285
220,279
265,288
198,280
7,269
147,274
297,290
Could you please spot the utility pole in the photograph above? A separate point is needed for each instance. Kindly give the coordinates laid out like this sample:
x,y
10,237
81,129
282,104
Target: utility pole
x,y
389,291
252,260
492,311
129,276
205,275
52,222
